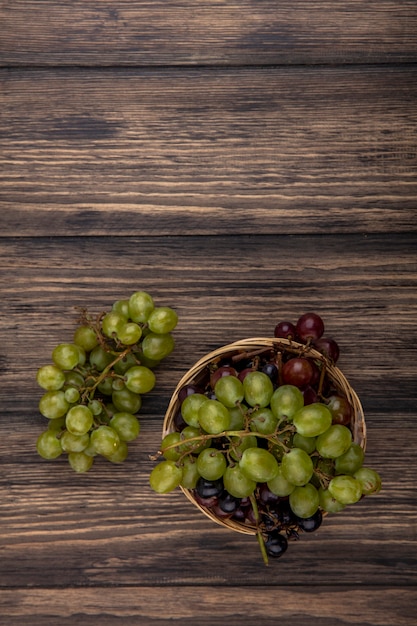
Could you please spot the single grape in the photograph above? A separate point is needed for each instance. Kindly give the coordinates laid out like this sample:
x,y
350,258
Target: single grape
x,y
286,401
345,489
189,390
162,320
312,523
308,444
213,417
140,379
106,386
127,401
129,333
220,372
263,421
340,409
229,391
209,488
86,338
227,503
240,444
190,473
126,425
157,347
328,503
74,443
237,417
111,323
369,479
100,359
165,477
279,485
105,440
328,347
72,395
174,453
48,446
334,442
121,307
120,455
236,483
271,370
53,404
74,379
297,371
304,501
276,544
96,407
50,378
80,462
309,327
191,437
258,464
66,356
211,464
351,460
79,420
141,305
190,408
297,467
258,389
312,420
285,330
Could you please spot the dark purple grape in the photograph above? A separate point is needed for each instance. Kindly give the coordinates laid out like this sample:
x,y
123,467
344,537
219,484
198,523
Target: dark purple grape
x,y
227,503
179,422
224,370
285,330
242,375
266,496
309,327
310,524
188,390
297,371
208,488
310,395
328,347
276,544
208,503
271,370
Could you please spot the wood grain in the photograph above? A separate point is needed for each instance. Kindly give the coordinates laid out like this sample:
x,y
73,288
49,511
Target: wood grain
x,y
305,150
213,32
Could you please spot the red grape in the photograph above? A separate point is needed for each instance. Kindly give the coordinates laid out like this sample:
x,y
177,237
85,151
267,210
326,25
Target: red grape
x,y
285,330
297,371
310,327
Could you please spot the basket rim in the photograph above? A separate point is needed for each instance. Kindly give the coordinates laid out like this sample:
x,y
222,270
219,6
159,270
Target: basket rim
x,y
335,373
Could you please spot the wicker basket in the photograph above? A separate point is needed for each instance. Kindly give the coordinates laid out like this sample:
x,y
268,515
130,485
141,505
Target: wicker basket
x,y
199,371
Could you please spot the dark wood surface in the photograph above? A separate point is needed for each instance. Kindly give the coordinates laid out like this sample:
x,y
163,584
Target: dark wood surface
x,y
244,163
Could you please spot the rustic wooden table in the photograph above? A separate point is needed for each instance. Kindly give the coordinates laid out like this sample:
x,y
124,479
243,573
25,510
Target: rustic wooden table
x,y
243,162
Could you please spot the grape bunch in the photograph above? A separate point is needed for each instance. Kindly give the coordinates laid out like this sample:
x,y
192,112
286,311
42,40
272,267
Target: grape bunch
x,y
93,388
264,438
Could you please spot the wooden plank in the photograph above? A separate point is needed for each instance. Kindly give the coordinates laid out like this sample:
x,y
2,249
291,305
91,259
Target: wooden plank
x,y
168,32
283,150
157,606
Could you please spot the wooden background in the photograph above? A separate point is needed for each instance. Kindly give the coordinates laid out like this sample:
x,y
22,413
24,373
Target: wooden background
x,y
244,162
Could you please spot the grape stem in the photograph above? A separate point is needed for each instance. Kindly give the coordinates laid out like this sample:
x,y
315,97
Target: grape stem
x,y
259,535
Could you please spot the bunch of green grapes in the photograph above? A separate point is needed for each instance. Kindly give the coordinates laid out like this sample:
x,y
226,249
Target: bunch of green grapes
x,y
93,388
266,440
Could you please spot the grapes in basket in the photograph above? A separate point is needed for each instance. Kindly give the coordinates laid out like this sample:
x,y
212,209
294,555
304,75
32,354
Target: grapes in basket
x,y
266,436
94,385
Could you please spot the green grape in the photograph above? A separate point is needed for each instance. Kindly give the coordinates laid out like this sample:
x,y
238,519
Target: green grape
x,y
86,338
211,464
165,476
128,361
351,460
74,379
147,362
286,401
82,356
53,404
118,384
308,444
105,440
79,420
100,359
121,307
240,444
304,501
328,503
345,489
196,446
237,417
258,464
57,425
279,485
126,400
213,417
80,462
334,442
157,347
140,379
48,446
229,391
258,389
50,378
236,483
106,386
312,420
162,320
72,395
297,467
369,479
171,454
74,443
95,407
129,333
111,323
263,421
190,473
126,425
120,455
66,356
141,305
190,407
